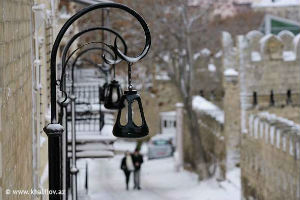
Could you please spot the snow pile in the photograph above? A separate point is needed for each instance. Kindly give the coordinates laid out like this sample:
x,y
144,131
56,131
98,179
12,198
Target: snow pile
x,y
205,52
163,76
230,72
289,56
202,105
276,3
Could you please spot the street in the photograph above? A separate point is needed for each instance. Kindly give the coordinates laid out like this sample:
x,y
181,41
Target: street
x,y
159,180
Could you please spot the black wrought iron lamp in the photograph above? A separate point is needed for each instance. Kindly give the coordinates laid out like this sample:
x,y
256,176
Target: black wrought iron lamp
x,y
131,129
113,94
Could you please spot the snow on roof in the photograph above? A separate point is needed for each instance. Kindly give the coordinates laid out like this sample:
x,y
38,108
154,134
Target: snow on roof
x,y
197,55
166,58
205,52
276,3
169,113
202,105
90,2
219,54
211,67
230,72
64,15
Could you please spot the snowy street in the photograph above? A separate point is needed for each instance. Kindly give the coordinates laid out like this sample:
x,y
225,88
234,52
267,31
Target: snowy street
x,y
160,181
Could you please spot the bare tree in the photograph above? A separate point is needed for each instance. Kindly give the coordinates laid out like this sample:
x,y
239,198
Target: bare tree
x,y
174,24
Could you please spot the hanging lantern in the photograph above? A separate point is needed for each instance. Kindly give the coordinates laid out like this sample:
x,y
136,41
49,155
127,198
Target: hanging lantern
x,y
102,91
113,94
130,129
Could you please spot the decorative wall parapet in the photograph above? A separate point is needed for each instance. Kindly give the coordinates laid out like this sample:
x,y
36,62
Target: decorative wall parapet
x,y
270,158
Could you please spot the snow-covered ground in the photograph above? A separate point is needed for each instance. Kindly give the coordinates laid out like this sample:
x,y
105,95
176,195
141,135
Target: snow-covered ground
x,y
160,181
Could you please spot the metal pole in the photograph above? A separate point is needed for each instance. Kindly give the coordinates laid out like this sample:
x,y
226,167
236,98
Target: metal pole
x,y
54,132
64,105
179,145
74,169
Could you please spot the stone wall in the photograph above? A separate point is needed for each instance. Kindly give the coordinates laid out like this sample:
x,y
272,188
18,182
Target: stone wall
x,y
262,73
213,140
16,162
270,158
269,78
270,68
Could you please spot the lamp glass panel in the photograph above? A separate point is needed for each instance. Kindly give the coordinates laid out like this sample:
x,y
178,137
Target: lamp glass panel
x,y
124,114
136,113
115,94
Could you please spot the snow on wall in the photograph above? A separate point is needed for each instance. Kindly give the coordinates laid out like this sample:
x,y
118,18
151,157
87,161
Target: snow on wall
x,y
284,46
274,130
276,3
230,72
202,105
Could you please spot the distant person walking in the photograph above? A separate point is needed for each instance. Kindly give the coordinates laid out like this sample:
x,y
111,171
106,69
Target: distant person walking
x,y
127,167
137,159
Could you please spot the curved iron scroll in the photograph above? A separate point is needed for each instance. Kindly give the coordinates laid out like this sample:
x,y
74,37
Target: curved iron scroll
x,y
105,71
71,41
116,49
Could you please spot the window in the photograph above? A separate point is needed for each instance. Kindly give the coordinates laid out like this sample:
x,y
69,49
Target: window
x,y
289,97
212,95
165,124
201,93
272,101
274,24
254,98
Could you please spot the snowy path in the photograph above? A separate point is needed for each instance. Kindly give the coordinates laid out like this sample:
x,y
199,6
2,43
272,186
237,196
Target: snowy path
x,y
159,182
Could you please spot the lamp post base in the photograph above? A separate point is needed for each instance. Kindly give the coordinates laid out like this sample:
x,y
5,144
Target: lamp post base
x,y
54,132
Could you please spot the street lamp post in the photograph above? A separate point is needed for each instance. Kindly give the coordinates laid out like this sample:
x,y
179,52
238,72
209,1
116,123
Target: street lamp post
x,y
54,130
74,170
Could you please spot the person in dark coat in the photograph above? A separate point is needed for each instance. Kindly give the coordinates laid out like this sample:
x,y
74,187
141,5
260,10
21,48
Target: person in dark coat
x,y
127,167
137,159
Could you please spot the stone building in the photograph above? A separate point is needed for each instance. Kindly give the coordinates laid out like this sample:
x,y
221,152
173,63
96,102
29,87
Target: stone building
x,y
28,29
289,9
16,130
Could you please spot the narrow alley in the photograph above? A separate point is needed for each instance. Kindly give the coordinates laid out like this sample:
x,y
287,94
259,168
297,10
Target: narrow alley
x,y
159,179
